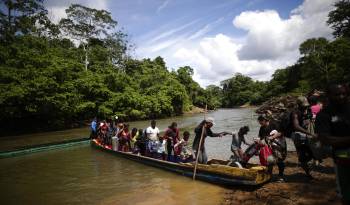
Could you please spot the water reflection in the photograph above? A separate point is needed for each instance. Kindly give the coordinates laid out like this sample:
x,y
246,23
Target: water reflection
x,y
82,175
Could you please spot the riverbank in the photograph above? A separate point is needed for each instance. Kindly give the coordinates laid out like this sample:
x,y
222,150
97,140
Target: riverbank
x,y
297,189
195,110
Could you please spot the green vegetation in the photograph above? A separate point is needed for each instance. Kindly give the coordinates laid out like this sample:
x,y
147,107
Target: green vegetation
x,y
53,76
321,62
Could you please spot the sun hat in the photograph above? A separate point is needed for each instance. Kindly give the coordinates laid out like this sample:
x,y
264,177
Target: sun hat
x,y
210,119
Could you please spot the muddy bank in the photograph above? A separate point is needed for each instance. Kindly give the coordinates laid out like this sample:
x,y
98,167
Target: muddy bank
x,y
297,189
195,110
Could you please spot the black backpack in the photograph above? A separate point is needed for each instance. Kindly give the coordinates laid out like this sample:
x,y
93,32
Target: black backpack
x,y
286,124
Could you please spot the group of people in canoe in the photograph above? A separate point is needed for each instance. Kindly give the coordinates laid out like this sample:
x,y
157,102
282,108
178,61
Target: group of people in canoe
x,y
171,146
318,129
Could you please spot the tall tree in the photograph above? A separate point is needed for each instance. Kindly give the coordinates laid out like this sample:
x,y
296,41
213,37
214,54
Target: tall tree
x,y
339,19
21,17
195,92
317,61
117,47
83,23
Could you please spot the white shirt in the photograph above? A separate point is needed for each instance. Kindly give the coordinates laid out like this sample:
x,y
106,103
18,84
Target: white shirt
x,y
161,147
152,134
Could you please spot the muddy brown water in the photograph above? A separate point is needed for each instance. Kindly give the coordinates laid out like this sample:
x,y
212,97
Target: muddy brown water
x,y
82,175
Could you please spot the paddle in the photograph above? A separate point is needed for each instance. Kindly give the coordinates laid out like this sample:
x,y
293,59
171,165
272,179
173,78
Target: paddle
x,y
198,148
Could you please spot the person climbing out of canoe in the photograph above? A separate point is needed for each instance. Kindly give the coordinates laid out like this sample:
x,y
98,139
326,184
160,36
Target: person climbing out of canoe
x,y
204,128
237,140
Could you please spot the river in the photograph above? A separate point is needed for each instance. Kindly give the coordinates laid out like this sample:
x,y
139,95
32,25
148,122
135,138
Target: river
x,y
82,175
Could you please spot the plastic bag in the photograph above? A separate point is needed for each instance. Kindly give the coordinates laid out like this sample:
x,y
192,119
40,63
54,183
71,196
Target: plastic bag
x,y
265,155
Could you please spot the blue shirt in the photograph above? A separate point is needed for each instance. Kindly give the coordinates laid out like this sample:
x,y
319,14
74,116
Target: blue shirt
x,y
93,125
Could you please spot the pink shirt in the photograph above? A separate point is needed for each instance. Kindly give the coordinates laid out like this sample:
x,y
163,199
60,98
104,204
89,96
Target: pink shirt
x,y
315,109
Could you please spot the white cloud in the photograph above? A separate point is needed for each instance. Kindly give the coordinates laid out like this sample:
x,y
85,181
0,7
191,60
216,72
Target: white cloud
x,y
57,9
270,43
216,59
270,37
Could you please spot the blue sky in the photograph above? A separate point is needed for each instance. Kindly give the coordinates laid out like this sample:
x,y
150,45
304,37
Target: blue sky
x,y
140,17
216,37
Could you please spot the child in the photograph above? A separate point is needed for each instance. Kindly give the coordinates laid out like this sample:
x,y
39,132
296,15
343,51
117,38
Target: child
x,y
140,143
133,137
181,150
161,148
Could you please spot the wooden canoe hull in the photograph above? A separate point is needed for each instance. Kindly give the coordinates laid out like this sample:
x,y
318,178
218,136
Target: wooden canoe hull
x,y
214,173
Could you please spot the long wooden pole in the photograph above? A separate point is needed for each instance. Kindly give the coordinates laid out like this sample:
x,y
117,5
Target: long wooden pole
x,y
199,146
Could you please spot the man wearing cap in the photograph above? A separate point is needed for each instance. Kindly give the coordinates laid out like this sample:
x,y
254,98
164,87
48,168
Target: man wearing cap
x,y
301,119
206,125
333,128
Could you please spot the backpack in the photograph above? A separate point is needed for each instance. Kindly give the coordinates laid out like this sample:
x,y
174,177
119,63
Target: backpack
x,y
286,124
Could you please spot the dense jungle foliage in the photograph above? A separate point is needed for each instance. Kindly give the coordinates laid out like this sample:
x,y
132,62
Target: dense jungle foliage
x,y
53,76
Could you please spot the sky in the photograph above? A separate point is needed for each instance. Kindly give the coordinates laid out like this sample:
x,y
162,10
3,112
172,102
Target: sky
x,y
217,38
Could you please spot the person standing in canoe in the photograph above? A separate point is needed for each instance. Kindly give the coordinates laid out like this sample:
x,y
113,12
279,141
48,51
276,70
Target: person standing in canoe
x,y
93,127
206,125
124,139
152,133
172,137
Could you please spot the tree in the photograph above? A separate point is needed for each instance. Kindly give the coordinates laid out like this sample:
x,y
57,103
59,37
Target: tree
x,y
83,23
20,17
195,92
339,19
214,95
317,62
116,46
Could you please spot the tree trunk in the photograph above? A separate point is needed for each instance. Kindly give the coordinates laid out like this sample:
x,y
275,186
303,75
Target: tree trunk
x,y
9,7
86,56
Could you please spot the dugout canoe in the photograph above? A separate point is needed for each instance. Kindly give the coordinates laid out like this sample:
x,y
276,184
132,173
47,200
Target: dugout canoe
x,y
215,171
19,151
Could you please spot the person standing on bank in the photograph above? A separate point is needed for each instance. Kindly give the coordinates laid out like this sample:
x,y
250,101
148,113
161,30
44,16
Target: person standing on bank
x,y
206,125
333,128
301,119
271,134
